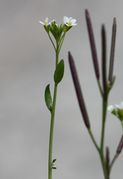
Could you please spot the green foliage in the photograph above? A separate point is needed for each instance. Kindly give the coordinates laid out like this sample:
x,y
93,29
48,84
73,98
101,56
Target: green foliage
x,y
59,72
48,97
56,30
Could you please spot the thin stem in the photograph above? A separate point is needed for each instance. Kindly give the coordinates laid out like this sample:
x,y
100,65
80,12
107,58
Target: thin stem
x,y
106,169
93,140
118,151
51,41
100,88
103,163
61,42
51,134
104,112
102,157
106,174
50,159
113,160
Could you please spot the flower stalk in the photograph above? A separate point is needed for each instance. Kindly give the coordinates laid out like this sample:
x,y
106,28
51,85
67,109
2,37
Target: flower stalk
x,y
56,34
51,135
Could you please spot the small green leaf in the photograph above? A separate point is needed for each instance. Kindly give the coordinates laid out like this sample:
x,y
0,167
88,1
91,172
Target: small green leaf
x,y
48,98
54,160
59,72
53,167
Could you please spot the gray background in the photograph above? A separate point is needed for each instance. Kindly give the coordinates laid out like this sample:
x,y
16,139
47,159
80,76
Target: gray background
x,y
27,65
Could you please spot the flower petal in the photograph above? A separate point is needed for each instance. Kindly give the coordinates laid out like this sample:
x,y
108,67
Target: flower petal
x,y
41,22
110,108
69,21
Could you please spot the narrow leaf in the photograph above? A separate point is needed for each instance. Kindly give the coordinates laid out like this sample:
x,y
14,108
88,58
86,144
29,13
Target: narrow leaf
x,y
53,167
48,98
59,72
54,160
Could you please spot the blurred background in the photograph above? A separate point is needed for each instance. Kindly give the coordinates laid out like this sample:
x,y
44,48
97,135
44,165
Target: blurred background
x,y
26,67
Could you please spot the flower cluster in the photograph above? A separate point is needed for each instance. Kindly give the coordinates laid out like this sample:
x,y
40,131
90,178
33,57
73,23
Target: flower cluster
x,y
56,34
58,30
117,110
68,21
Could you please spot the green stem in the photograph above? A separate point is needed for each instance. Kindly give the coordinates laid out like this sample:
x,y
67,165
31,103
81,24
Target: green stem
x,y
100,88
114,159
93,140
61,42
51,136
103,163
51,41
102,156
104,112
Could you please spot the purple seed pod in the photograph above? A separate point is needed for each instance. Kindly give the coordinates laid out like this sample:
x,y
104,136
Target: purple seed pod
x,y
120,146
92,44
78,91
104,62
112,51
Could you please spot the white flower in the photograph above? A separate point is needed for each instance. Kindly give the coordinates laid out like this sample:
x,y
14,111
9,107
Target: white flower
x,y
110,108
121,105
117,110
46,22
115,107
69,21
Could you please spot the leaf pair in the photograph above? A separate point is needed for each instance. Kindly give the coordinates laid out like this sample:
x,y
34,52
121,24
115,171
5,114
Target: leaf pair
x,y
58,75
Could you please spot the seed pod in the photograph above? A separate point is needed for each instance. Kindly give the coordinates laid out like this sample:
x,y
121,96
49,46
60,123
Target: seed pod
x,y
112,51
104,65
78,91
92,44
